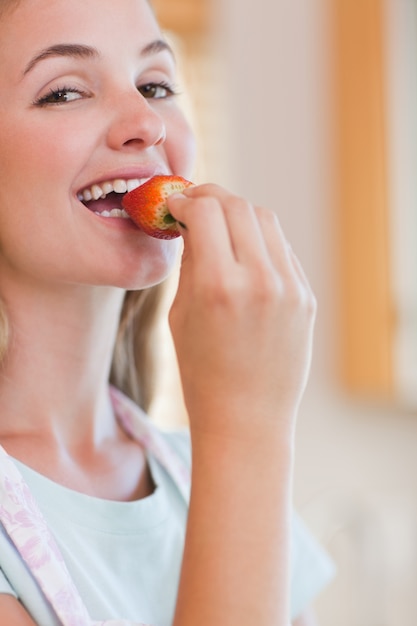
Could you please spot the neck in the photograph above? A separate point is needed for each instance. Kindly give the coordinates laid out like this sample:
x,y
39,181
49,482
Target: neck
x,y
55,376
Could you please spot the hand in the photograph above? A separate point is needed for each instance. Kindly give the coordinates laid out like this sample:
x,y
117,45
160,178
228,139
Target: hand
x,y
243,317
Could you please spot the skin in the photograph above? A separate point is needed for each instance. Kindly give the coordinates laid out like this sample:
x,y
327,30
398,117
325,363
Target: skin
x,y
63,274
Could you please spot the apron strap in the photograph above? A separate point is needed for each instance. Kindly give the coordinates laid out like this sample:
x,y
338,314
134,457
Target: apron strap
x,y
136,423
28,530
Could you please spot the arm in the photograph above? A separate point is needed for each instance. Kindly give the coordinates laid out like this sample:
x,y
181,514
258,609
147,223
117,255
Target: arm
x,y
242,323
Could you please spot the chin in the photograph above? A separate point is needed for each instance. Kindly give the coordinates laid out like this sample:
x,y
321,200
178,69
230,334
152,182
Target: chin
x,y
136,264
143,274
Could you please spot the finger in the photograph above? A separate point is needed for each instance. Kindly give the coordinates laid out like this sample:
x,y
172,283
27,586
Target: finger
x,y
275,240
206,235
283,257
245,235
302,276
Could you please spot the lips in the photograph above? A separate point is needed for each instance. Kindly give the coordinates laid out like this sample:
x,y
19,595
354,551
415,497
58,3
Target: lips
x,y
105,198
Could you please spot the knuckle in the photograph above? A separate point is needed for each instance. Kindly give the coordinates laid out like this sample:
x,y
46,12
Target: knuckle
x,y
218,290
267,286
298,297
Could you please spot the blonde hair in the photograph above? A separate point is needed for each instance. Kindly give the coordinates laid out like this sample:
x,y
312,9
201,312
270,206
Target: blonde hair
x,y
134,357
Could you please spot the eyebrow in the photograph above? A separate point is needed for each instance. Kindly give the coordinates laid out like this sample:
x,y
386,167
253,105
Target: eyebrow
x,y
62,50
88,52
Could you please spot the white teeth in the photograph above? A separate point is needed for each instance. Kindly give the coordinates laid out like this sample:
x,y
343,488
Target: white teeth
x,y
114,213
96,192
107,188
120,186
133,184
102,190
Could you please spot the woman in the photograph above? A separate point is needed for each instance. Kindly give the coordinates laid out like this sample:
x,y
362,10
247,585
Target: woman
x,y
93,505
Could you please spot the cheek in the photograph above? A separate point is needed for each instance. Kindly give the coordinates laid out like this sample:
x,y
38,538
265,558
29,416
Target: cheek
x,y
35,156
181,147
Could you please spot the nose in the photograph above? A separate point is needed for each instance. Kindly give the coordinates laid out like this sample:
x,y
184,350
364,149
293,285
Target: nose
x,y
135,123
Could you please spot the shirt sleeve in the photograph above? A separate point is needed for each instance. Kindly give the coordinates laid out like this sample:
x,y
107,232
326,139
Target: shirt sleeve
x,y
8,558
311,567
5,586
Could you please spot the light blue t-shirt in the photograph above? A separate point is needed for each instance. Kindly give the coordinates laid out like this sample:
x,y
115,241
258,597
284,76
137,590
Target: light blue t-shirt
x,y
125,557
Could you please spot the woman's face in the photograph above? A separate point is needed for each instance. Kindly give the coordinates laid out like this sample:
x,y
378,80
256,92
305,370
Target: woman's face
x,y
85,99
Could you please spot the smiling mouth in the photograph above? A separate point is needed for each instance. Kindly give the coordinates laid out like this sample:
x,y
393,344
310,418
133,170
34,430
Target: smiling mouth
x,y
105,199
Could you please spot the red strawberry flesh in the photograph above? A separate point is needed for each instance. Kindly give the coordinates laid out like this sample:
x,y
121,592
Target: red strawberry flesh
x,y
146,205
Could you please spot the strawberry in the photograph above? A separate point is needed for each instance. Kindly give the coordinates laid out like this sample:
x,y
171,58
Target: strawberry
x,y
146,205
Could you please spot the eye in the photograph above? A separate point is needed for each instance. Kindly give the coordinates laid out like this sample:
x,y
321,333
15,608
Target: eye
x,y
60,96
157,90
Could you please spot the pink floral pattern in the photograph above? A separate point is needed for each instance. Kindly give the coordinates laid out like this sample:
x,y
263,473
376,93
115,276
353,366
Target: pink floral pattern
x,y
27,528
37,549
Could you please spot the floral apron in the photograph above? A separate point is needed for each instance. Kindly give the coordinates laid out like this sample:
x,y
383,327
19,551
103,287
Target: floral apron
x,y
24,522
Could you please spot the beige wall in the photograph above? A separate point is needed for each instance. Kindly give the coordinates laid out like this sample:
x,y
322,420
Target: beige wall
x,y
356,466
264,112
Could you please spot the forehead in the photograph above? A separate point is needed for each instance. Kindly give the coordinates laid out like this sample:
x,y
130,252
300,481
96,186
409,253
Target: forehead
x,y
114,27
6,6
30,18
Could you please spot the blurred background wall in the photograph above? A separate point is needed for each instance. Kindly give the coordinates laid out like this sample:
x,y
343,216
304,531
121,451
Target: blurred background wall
x,y
283,117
